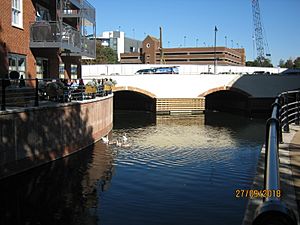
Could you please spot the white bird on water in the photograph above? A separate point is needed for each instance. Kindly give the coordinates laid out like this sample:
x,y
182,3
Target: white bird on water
x,y
105,139
124,138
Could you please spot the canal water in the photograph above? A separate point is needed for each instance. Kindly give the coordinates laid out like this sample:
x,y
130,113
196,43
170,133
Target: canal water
x,y
173,170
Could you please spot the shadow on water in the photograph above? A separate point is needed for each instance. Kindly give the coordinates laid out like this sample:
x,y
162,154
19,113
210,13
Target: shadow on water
x,y
125,119
62,192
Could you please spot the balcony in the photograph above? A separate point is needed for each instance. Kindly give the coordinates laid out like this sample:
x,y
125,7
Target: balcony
x,y
79,8
44,34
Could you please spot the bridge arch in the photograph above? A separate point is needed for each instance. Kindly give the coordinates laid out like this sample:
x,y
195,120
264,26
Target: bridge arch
x,y
227,99
132,98
134,89
224,88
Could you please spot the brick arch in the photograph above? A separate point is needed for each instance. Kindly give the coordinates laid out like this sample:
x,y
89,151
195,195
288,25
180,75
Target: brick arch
x,y
224,88
134,89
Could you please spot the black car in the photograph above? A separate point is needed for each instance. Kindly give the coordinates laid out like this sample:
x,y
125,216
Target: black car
x,y
144,71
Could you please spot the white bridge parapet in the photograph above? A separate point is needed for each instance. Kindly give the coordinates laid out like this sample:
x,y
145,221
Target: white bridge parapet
x,y
187,91
193,86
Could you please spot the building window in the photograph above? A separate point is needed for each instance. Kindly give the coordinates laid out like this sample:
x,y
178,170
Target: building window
x,y
41,68
17,63
17,13
73,71
61,70
42,14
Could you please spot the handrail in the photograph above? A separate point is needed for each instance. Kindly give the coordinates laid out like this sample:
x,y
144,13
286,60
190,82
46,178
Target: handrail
x,y
30,92
285,110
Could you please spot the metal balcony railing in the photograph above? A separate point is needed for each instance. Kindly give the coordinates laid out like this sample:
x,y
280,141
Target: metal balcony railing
x,y
83,9
286,110
44,34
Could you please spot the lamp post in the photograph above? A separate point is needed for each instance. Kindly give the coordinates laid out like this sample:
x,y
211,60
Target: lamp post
x,y
215,59
197,42
184,37
226,41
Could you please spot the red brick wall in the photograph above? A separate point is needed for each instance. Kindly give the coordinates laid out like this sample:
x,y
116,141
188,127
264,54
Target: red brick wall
x,y
16,39
37,136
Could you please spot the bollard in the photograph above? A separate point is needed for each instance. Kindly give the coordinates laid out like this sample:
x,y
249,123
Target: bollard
x,y
36,101
3,103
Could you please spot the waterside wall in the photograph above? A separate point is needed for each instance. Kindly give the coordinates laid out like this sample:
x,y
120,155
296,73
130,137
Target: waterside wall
x,y
34,136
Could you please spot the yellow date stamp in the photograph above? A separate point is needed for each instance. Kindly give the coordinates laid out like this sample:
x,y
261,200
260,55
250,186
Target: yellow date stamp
x,y
252,193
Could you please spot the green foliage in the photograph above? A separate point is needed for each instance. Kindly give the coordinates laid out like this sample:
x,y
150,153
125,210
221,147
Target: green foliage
x,y
104,55
290,64
297,63
260,62
281,63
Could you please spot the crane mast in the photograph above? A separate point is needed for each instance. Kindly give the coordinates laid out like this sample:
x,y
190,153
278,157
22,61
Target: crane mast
x,y
258,31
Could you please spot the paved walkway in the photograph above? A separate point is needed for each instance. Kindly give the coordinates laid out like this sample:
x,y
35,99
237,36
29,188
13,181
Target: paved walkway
x,y
289,154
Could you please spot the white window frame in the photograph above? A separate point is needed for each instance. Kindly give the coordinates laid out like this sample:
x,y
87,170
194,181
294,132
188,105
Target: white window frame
x,y
17,12
16,58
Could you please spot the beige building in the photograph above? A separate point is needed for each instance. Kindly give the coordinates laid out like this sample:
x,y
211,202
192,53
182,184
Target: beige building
x,y
150,54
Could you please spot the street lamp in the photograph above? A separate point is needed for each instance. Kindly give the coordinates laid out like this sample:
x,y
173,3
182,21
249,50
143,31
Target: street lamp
x,y
226,41
197,42
215,59
184,41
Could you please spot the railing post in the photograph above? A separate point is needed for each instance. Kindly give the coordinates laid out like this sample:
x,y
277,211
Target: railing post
x,y
286,103
3,104
36,102
297,122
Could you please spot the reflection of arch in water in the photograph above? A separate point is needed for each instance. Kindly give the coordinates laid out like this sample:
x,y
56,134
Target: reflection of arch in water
x,y
133,98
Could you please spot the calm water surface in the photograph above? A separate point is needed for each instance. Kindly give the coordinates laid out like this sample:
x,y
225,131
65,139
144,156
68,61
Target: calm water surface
x,y
178,170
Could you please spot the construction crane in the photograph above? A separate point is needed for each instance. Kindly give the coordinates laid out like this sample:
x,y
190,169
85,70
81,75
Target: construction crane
x,y
261,43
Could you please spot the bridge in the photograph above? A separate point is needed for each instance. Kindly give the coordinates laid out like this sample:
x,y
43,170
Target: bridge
x,y
176,93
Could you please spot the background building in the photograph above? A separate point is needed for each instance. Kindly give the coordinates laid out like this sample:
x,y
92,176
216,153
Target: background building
x,y
119,43
150,54
47,39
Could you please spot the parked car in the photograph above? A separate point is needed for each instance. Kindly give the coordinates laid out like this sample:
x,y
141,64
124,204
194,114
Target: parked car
x,y
144,71
166,70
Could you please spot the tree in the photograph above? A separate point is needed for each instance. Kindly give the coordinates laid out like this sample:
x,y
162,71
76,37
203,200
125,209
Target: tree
x,y
261,62
289,63
104,55
297,63
281,63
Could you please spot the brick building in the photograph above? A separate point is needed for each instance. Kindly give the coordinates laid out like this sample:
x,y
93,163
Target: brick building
x,y
46,38
150,54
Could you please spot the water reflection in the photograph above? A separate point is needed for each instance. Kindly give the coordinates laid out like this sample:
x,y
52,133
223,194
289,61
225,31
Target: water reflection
x,y
178,170
63,192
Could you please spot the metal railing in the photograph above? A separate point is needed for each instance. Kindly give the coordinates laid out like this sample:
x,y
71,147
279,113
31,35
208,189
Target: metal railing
x,y
285,110
31,92
52,34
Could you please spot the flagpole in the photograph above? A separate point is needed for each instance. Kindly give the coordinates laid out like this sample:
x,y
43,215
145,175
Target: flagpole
x,y
215,59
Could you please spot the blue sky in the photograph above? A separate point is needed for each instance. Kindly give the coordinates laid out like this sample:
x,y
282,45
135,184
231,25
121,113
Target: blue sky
x,y
196,19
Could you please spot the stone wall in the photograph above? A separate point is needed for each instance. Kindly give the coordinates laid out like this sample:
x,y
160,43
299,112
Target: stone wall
x,y
34,136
